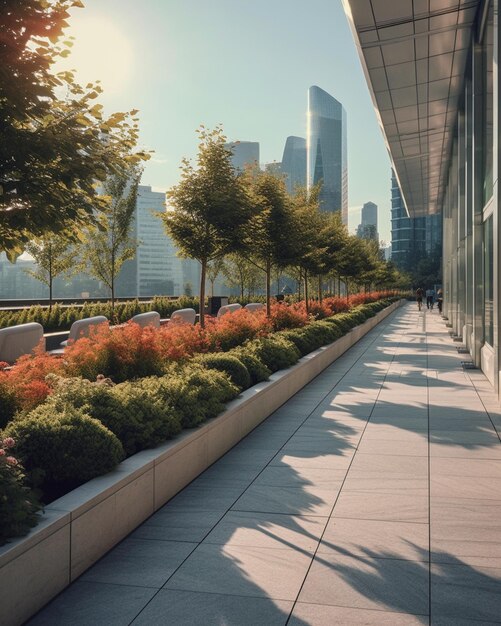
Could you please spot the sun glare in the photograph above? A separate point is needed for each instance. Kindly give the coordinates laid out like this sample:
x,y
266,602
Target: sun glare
x,y
100,52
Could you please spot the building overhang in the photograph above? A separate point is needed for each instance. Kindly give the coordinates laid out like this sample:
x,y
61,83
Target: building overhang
x,y
414,55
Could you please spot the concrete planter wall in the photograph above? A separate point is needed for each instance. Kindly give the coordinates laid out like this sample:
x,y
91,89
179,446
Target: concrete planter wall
x,y
79,528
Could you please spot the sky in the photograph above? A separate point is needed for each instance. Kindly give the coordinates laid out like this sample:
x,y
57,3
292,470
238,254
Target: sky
x,y
244,64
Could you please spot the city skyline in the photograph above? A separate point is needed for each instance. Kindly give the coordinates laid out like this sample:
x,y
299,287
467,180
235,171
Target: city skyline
x,y
183,64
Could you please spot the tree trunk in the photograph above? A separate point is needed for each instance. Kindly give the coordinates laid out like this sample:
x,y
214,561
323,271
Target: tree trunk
x,y
113,296
347,289
50,294
306,296
202,294
268,289
320,295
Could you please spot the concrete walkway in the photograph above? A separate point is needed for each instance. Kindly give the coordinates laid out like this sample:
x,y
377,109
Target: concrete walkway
x,y
372,497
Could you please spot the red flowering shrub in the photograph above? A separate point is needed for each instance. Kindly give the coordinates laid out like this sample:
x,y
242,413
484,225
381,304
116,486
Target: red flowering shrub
x,y
24,384
233,329
177,342
285,316
319,310
337,304
122,353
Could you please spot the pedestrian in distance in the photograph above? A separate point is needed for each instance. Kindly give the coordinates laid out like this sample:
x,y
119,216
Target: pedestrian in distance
x,y
419,298
440,300
430,299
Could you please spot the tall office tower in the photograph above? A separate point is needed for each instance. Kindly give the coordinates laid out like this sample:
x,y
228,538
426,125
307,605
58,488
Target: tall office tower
x,y
244,153
408,235
327,153
273,168
159,270
368,228
294,163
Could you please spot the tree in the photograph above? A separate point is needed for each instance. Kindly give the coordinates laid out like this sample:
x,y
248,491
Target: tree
x,y
268,235
208,207
52,150
242,274
53,255
308,245
214,268
108,244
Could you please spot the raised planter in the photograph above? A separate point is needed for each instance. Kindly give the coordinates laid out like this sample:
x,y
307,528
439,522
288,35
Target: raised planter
x,y
79,528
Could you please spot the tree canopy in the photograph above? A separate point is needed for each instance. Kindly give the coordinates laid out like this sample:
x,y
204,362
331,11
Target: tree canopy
x,y
54,149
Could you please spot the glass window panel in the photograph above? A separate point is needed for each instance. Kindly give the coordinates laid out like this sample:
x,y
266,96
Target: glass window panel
x,y
488,282
488,134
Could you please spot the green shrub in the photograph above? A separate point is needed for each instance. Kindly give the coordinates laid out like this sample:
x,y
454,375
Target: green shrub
x,y
230,364
18,507
195,393
62,449
131,410
8,403
257,369
302,341
275,351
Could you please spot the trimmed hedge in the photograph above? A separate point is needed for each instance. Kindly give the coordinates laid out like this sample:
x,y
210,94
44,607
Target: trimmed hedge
x,y
232,365
61,450
275,351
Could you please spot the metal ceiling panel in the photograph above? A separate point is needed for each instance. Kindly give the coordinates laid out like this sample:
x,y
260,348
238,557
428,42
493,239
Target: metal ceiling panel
x,y
414,54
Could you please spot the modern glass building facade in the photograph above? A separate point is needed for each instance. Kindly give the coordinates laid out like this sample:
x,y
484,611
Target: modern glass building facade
x,y
433,75
294,163
243,153
327,151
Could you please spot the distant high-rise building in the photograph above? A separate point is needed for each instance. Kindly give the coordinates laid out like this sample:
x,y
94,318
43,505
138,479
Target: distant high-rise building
x,y
244,153
368,227
327,152
158,270
274,168
408,235
294,163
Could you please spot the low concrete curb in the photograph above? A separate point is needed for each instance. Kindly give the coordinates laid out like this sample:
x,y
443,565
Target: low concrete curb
x,y
79,528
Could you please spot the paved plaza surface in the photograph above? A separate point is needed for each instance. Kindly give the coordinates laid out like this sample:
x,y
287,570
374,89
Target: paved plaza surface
x,y
372,497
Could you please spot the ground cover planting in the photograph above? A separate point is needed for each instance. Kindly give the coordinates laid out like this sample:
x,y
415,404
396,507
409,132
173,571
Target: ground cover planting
x,y
126,389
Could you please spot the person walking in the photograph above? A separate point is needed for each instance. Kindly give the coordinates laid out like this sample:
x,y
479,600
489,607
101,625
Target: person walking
x,y
419,298
430,298
440,300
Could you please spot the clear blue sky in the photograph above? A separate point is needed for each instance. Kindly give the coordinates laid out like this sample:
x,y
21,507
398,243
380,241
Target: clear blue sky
x,y
246,64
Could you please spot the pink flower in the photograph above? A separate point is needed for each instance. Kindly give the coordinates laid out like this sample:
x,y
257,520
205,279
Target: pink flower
x,y
8,442
11,460
2,452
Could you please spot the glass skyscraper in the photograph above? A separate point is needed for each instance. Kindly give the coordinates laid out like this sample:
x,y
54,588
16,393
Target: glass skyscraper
x,y
244,153
294,163
327,153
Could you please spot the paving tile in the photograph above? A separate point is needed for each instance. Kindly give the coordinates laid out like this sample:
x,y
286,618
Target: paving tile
x,y
139,562
477,487
417,447
206,498
466,450
480,435
465,592
243,571
288,500
307,458
324,615
481,513
90,604
368,583
268,530
171,524
286,476
189,608
383,505
393,540
440,466
389,464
